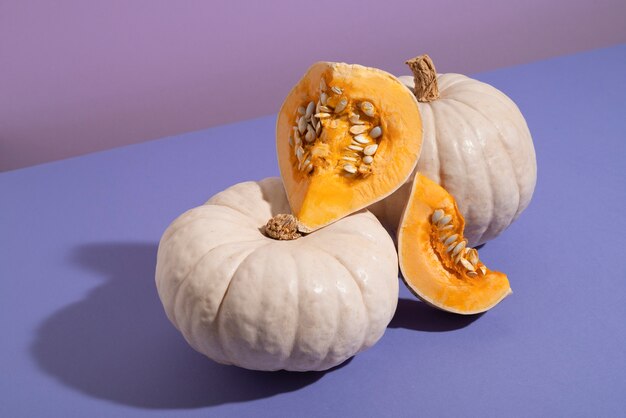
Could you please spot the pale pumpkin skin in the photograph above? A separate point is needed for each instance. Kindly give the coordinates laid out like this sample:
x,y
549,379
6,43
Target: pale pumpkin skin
x,y
245,299
476,145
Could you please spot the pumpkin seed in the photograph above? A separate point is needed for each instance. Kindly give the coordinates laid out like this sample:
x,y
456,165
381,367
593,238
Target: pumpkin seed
x,y
358,129
370,149
322,115
324,99
368,159
451,247
301,110
322,84
303,164
437,215
472,274
467,264
349,168
443,236
450,239
336,89
341,105
302,124
310,134
483,270
446,227
459,247
300,153
361,139
472,256
444,221
376,132
355,147
355,119
348,158
309,109
325,109
367,108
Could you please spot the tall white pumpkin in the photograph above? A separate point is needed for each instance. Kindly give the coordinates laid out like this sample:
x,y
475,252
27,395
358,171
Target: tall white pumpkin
x,y
243,298
476,144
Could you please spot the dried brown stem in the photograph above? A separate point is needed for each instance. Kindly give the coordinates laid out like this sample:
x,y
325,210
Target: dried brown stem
x,y
282,227
425,76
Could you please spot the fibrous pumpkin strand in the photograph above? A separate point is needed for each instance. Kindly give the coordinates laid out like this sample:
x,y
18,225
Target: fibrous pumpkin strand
x,y
454,246
332,106
282,227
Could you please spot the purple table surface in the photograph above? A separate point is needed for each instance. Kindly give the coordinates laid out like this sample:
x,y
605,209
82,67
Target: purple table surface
x,y
84,334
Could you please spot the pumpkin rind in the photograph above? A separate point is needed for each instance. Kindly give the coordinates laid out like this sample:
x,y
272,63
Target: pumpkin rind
x,y
477,145
431,268
242,298
322,185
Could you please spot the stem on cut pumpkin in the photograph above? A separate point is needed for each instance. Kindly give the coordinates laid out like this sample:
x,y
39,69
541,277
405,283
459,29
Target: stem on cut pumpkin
x,y
425,76
282,227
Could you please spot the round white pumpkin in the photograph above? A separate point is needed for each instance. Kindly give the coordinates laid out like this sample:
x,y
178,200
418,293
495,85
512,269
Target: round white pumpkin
x,y
245,299
476,145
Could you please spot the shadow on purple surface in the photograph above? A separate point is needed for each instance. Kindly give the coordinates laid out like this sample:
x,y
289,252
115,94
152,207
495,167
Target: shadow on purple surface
x,y
416,315
117,344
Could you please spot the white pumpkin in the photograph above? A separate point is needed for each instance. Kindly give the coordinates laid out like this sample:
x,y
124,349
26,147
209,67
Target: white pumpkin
x,y
476,145
243,298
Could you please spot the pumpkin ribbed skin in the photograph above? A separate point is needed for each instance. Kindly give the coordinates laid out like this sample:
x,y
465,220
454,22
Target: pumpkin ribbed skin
x,y
245,299
477,145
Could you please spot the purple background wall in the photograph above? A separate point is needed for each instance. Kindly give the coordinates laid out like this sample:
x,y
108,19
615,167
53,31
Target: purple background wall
x,y
81,76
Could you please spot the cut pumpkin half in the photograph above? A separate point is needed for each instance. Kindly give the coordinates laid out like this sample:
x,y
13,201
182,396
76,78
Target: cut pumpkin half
x,y
347,136
436,263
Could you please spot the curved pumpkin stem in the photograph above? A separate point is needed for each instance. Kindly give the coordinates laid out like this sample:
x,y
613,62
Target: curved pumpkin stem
x,y
425,76
282,227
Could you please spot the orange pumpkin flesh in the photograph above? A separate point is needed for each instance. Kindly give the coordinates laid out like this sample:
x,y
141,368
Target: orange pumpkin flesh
x,y
347,136
434,261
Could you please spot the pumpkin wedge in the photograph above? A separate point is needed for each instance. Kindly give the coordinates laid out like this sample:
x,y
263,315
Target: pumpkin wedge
x,y
436,263
347,136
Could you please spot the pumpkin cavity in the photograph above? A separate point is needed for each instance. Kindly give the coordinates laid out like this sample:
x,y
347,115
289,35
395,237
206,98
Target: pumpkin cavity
x,y
319,140
347,136
451,247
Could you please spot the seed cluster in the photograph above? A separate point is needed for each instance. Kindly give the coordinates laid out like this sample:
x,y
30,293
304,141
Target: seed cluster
x,y
310,121
457,248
